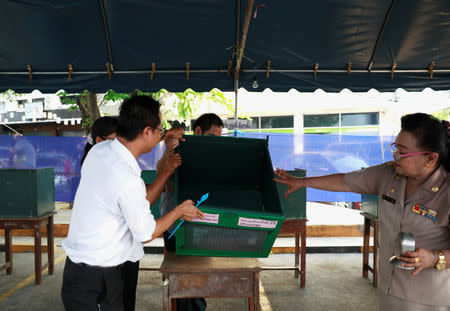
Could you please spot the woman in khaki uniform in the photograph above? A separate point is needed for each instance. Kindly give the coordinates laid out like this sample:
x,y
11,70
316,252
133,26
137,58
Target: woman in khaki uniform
x,y
414,198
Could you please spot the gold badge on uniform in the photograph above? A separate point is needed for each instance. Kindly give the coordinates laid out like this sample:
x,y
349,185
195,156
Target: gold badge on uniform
x,y
423,211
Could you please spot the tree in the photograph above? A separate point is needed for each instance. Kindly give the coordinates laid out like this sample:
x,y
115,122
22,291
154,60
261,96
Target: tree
x,y
86,102
180,106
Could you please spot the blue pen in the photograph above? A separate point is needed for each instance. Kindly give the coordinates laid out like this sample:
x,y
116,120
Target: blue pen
x,y
204,197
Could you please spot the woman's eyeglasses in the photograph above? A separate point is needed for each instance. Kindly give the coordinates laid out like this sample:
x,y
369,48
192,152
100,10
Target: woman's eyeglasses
x,y
397,155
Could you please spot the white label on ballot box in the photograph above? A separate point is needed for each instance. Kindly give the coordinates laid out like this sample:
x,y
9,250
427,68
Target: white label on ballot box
x,y
208,218
257,223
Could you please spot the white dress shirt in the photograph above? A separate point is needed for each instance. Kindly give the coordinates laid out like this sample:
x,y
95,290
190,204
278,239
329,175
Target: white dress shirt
x,y
111,216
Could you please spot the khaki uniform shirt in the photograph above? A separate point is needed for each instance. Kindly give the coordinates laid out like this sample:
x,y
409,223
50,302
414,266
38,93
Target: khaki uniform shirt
x,y
429,287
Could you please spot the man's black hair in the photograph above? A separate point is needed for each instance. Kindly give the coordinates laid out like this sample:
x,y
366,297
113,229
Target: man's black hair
x,y
136,113
205,121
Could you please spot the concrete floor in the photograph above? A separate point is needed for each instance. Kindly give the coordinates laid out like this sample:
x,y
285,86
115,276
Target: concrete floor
x,y
333,282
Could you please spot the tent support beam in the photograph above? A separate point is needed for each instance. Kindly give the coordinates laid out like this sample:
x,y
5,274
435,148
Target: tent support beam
x,y
241,48
380,35
236,81
108,40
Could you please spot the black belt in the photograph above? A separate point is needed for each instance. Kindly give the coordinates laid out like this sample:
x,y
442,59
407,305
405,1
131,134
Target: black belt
x,y
85,265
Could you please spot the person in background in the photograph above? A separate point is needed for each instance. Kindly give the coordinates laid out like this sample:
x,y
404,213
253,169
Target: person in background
x,y
206,124
104,128
414,196
23,154
111,216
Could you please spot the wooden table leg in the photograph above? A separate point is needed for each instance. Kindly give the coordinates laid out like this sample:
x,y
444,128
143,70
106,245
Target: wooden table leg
x,y
37,254
297,253
365,270
256,305
165,290
8,251
50,246
376,228
303,254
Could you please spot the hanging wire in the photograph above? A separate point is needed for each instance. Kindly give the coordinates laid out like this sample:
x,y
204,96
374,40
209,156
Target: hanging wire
x,y
6,125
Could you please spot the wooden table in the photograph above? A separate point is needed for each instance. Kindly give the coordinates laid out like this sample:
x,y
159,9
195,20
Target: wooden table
x,y
370,221
35,223
298,227
209,277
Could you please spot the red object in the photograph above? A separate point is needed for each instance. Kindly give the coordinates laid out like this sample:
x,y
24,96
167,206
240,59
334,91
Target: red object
x,y
256,9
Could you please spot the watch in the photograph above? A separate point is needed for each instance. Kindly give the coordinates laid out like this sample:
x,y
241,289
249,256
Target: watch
x,y
441,264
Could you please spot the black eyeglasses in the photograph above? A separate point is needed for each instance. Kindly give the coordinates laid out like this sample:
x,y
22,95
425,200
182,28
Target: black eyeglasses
x,y
162,132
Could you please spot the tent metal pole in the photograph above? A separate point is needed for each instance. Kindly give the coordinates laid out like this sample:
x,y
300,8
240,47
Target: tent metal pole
x,y
225,70
241,48
236,89
108,40
345,71
236,80
380,35
238,23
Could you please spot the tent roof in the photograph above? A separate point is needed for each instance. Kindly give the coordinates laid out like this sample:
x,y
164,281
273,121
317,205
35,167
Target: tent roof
x,y
293,35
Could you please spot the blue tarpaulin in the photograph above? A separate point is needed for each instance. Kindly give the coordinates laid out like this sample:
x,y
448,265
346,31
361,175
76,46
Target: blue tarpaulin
x,y
317,154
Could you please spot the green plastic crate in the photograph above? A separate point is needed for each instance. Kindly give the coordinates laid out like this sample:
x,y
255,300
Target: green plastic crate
x,y
149,177
244,213
369,204
26,193
294,206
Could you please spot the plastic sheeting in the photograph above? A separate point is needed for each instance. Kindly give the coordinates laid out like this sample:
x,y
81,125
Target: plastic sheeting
x,y
317,154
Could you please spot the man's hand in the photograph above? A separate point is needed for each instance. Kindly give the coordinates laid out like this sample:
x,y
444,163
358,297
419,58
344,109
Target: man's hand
x,y
167,163
292,182
175,133
172,162
420,259
171,143
188,211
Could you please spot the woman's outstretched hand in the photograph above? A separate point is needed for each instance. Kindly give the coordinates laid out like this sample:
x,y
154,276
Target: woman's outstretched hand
x,y
292,182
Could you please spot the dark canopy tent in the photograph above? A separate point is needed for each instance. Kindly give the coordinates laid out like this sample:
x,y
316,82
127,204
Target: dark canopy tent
x,y
130,35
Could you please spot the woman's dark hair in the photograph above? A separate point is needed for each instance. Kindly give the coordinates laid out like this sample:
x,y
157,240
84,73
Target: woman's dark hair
x,y
136,113
205,121
102,127
431,134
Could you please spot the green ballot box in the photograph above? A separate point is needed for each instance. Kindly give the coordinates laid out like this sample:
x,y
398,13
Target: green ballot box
x,y
26,192
294,205
243,213
369,204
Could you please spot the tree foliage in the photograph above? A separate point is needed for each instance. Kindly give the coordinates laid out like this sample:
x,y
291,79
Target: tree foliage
x,y
443,114
180,106
9,95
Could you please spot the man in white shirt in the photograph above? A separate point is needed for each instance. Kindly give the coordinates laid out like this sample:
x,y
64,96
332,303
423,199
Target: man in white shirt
x,y
111,216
